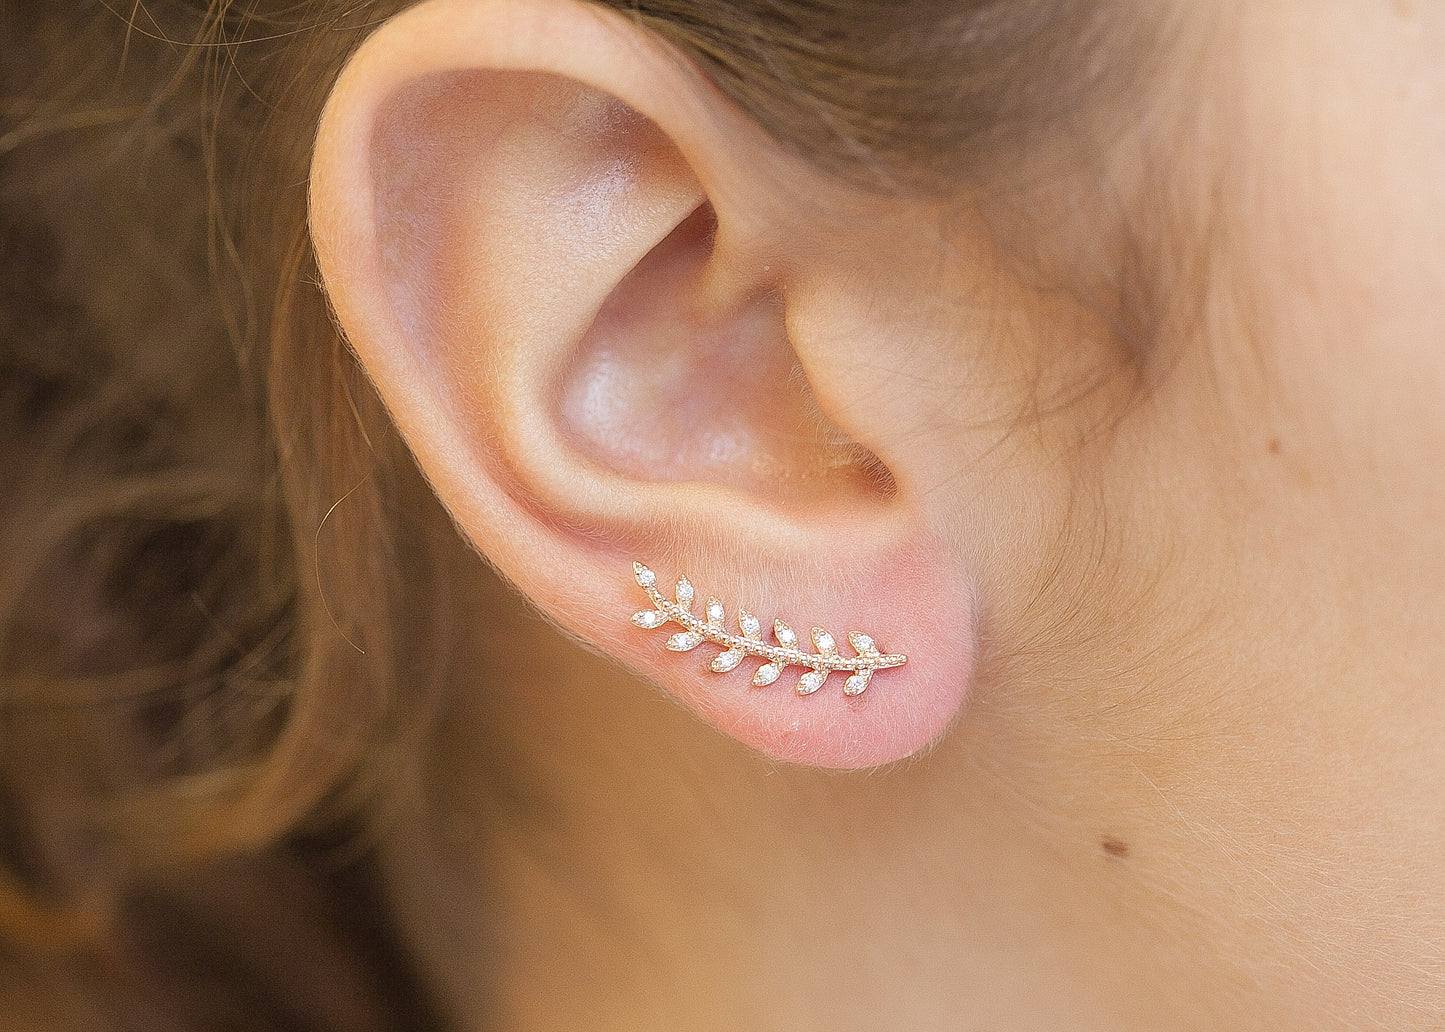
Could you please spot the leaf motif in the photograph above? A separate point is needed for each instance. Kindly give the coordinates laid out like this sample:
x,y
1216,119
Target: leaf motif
x,y
811,682
817,666
728,660
766,675
684,641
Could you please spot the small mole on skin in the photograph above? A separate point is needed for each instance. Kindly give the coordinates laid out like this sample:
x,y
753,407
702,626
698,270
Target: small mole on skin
x,y
1114,847
1275,447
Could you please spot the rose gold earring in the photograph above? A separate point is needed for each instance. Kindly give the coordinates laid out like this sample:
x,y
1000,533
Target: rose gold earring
x,y
786,653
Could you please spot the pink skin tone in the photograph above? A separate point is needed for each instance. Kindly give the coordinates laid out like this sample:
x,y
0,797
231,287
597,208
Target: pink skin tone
x,y
1170,730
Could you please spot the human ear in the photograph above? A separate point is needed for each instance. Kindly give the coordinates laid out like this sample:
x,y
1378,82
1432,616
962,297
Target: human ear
x,y
595,300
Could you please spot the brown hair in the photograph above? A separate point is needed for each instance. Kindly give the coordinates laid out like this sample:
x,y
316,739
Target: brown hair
x,y
211,541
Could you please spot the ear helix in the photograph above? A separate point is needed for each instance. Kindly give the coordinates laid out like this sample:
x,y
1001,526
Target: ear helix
x,y
776,658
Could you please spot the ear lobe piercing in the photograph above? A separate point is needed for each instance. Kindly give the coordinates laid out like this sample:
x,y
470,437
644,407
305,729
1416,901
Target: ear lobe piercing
x,y
786,653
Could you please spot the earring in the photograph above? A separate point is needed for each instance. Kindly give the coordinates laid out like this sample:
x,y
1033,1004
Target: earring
x,y
786,653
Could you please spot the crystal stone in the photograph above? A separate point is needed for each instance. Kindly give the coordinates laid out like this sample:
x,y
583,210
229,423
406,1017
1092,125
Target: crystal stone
x,y
649,618
823,641
728,660
684,641
645,577
767,674
784,634
811,682
715,612
749,623
857,684
861,643
684,592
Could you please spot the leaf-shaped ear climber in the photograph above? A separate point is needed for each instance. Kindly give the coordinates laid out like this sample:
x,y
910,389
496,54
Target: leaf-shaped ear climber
x,y
776,658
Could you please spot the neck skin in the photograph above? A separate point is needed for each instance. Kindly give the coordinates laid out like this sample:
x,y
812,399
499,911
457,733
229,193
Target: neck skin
x,y
640,871
581,853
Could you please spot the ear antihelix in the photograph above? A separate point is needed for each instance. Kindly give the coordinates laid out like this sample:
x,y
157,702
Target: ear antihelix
x,y
776,657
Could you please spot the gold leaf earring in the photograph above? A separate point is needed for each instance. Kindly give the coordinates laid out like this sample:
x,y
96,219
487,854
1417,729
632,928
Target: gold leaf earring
x,y
776,658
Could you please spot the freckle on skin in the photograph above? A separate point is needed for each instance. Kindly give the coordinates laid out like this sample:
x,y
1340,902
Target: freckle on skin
x,y
1114,847
1275,447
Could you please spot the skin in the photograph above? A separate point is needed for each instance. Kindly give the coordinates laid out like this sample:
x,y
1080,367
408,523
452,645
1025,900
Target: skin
x,y
1168,751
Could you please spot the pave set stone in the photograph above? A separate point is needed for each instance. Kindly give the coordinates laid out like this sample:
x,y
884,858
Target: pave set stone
x,y
736,647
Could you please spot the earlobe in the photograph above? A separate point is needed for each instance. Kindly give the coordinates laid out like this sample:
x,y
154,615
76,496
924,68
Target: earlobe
x,y
576,303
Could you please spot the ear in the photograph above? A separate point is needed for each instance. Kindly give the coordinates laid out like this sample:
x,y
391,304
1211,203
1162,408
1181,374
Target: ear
x,y
612,321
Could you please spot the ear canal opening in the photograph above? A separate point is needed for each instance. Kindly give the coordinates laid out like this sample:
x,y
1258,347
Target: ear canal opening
x,y
877,473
